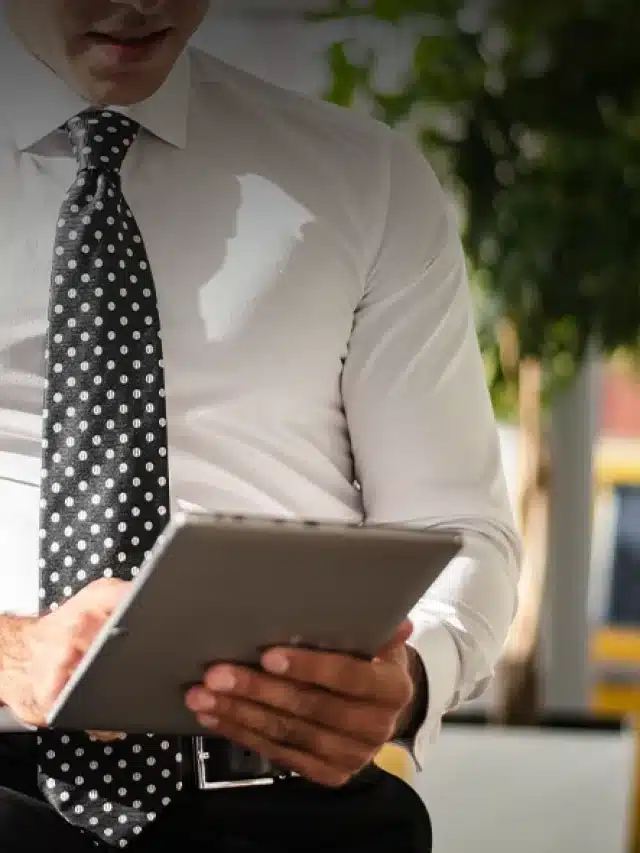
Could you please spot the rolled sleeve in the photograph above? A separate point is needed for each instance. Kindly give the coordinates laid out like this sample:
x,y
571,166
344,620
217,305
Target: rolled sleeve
x,y
423,433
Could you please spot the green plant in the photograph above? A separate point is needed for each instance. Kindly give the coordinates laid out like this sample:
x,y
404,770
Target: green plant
x,y
535,111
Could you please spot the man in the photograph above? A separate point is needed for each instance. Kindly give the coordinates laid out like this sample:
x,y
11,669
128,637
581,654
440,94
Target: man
x,y
262,300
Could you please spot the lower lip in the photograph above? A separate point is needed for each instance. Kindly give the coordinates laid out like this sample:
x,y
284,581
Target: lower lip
x,y
124,53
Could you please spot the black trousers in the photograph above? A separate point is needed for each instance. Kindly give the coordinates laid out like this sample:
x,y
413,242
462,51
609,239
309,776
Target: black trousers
x,y
378,814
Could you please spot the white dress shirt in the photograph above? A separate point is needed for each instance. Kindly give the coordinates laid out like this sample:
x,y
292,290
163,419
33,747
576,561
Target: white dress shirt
x,y
320,353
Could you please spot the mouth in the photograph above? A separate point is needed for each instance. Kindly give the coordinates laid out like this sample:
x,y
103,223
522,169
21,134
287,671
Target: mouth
x,y
130,45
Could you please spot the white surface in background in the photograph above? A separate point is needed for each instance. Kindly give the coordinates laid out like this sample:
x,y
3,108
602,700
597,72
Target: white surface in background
x,y
605,520
509,446
529,791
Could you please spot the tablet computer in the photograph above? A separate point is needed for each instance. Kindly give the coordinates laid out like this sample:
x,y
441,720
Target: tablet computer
x,y
223,589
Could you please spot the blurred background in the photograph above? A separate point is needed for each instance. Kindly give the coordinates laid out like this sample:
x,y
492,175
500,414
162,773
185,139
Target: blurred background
x,y
530,114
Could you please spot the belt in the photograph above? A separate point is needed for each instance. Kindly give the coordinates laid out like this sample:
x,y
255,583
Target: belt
x,y
214,763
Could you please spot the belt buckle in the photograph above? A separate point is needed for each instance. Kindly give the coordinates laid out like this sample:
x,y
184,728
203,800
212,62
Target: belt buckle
x,y
205,784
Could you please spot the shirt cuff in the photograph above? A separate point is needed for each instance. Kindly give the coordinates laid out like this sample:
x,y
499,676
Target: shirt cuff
x,y
441,660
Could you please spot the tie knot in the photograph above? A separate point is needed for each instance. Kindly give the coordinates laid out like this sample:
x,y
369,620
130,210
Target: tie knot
x,y
101,139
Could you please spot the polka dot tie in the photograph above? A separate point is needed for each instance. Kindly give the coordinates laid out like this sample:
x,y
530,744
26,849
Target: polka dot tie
x,y
105,491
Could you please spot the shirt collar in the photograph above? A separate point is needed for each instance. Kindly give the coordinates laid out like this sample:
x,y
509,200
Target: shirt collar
x,y
35,102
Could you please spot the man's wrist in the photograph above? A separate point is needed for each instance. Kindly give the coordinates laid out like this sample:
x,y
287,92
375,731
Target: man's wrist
x,y
415,713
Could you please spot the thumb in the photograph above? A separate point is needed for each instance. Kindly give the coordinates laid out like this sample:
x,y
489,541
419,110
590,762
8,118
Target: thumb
x,y
103,596
400,637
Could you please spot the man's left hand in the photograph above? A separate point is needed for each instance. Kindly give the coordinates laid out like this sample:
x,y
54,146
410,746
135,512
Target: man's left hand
x,y
322,715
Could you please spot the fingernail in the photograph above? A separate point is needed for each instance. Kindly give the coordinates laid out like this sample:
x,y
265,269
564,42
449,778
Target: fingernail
x,y
275,662
223,680
201,701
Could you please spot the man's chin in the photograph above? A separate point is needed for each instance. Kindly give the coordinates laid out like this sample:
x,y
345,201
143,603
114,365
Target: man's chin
x,y
122,89
108,75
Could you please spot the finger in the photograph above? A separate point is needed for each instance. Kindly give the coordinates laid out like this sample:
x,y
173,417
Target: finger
x,y
329,746
102,596
303,763
84,628
56,670
363,721
59,652
378,682
402,634
105,737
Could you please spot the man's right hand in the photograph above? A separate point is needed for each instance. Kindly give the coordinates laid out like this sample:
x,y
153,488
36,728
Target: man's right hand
x,y
38,655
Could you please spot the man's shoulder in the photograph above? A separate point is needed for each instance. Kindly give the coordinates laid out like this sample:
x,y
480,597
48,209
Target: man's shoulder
x,y
315,120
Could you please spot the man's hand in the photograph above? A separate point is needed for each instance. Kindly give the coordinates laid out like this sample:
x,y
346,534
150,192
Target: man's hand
x,y
322,715
40,654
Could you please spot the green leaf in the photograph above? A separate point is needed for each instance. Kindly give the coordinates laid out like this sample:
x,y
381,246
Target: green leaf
x,y
535,111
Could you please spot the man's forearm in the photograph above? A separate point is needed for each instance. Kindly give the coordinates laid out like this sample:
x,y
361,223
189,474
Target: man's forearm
x,y
12,648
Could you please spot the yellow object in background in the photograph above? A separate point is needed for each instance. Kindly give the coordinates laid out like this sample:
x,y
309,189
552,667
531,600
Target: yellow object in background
x,y
615,650
394,759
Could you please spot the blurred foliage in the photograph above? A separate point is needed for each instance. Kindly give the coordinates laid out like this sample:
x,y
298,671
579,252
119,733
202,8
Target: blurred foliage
x,y
535,108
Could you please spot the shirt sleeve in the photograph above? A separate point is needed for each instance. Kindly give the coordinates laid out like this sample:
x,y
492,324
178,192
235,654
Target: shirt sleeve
x,y
424,437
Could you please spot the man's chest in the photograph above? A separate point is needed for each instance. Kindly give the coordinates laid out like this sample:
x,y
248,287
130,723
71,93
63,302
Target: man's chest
x,y
256,284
